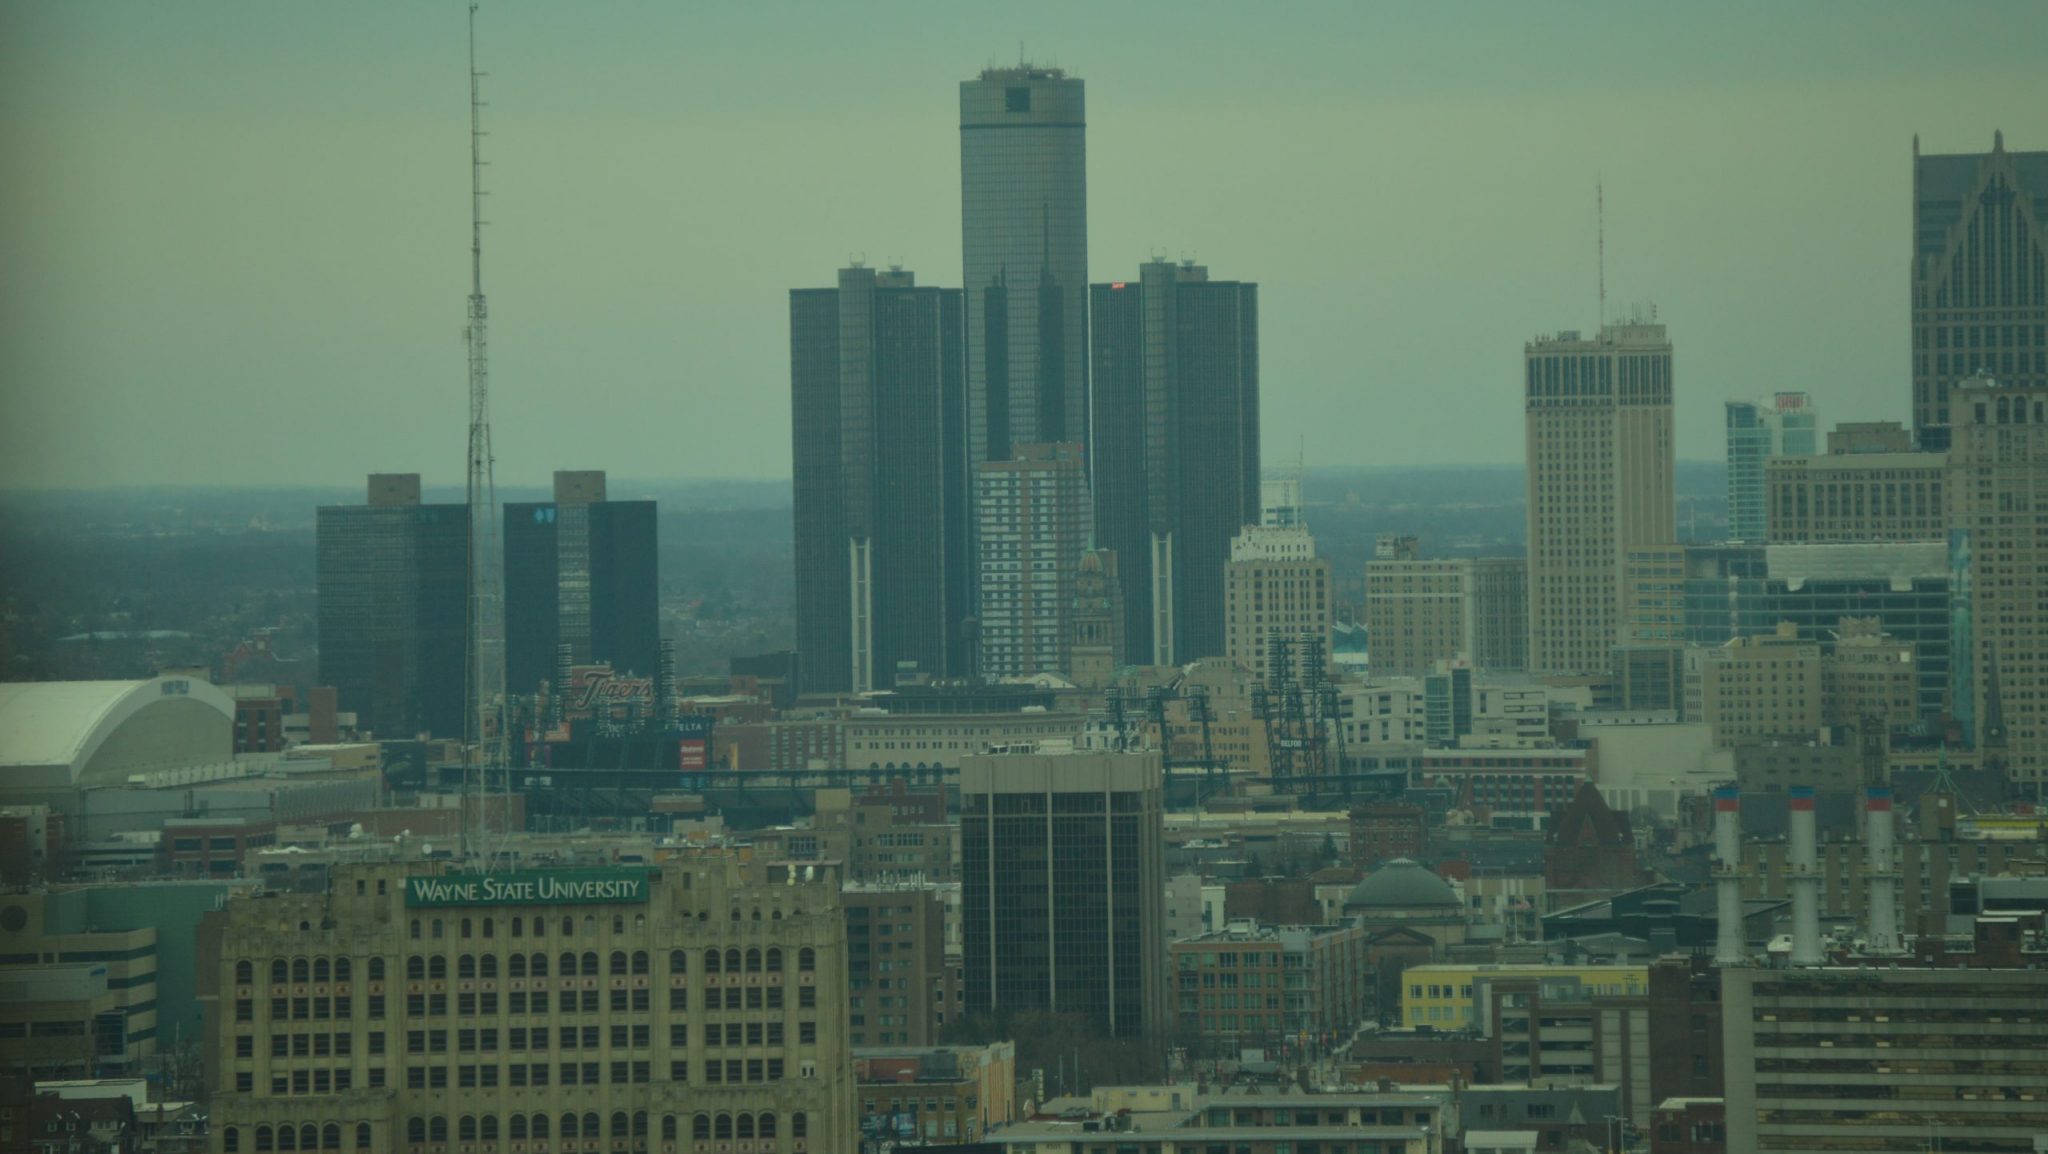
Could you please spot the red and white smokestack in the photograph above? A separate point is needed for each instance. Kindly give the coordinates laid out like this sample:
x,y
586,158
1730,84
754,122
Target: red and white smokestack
x,y
1881,882
1728,876
1805,880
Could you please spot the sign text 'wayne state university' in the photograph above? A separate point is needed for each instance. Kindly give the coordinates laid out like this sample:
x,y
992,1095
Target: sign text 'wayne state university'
x,y
528,888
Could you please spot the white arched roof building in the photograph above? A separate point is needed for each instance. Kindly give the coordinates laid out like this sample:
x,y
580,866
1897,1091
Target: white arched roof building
x,y
81,734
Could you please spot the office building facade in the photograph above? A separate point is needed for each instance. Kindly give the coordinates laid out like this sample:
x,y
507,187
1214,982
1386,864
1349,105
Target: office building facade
x,y
1274,585
1422,611
1763,685
1998,513
1852,497
1064,887
1884,1058
1024,236
1033,522
1601,482
580,571
415,1007
1783,426
1711,594
882,506
393,578
1175,367
1979,277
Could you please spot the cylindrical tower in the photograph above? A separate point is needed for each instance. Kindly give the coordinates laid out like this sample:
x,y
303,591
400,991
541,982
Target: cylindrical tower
x,y
1805,880
1728,875
1882,876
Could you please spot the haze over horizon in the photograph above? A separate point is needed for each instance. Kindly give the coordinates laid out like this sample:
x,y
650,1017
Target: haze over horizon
x,y
661,176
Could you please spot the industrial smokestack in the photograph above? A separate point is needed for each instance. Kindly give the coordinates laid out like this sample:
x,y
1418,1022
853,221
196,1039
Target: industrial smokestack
x,y
1882,878
1728,875
1805,881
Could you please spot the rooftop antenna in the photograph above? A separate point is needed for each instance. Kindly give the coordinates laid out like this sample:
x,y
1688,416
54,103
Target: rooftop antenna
x,y
1600,222
484,743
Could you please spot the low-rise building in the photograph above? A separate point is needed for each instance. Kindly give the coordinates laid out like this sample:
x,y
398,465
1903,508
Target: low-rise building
x,y
940,740
1454,996
942,1094
1246,983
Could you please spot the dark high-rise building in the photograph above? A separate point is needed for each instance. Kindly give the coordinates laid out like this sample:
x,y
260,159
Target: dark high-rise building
x,y
1024,233
1176,456
882,505
1980,276
393,579
580,571
1063,888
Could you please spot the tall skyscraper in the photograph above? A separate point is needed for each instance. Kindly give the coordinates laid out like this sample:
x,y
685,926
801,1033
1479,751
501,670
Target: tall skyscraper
x,y
1033,526
1176,464
1024,233
1998,526
1980,276
580,571
1601,483
1063,886
881,493
393,579
1783,426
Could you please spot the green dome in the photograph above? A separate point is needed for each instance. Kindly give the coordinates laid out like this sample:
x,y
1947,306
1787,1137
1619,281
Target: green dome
x,y
1402,884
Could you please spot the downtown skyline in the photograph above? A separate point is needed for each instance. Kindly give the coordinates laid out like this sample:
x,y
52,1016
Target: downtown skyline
x,y
646,222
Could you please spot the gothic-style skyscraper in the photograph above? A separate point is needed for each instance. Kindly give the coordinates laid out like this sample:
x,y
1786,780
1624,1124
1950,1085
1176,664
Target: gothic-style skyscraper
x,y
1980,276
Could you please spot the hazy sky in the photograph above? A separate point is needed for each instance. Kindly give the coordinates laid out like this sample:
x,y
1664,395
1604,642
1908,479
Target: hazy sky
x,y
233,236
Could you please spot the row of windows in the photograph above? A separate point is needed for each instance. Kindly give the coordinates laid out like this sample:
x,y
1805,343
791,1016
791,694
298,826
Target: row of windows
x,y
519,1127
305,1137
469,1003
417,968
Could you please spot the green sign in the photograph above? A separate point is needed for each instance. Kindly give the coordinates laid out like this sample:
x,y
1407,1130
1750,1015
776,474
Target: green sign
x,y
528,888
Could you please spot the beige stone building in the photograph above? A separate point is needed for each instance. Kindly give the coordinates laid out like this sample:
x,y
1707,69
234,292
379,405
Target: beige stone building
x,y
417,1007
1998,502
1273,585
930,740
1764,686
1601,471
1420,612
1854,497
1869,674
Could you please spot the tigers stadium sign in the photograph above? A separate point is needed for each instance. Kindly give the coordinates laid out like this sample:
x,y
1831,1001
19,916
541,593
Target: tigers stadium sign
x,y
528,888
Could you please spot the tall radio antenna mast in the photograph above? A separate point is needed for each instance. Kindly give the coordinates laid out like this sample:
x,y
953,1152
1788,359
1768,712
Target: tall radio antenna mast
x,y
1600,222
485,739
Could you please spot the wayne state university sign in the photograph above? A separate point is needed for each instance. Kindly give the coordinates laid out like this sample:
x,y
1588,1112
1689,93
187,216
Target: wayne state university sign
x,y
528,888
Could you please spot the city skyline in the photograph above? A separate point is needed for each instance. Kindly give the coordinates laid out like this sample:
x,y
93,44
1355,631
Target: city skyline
x,y
308,291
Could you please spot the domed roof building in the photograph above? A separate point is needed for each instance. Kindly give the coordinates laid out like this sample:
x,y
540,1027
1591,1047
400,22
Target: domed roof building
x,y
1402,885
1404,894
